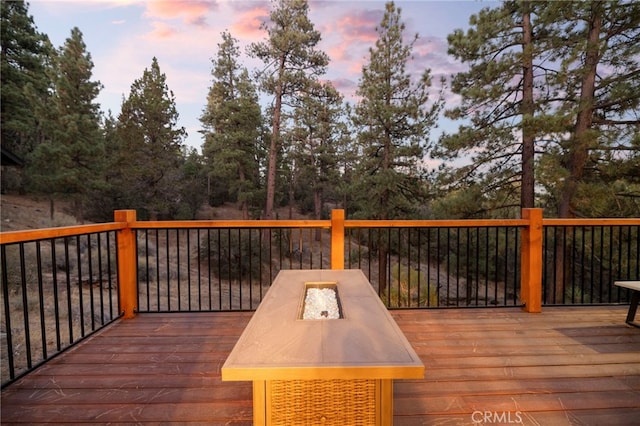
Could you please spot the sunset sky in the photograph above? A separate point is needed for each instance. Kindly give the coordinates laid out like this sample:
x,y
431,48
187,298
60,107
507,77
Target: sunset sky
x,y
123,36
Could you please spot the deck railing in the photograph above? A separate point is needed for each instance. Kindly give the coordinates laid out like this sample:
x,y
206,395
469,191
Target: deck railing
x,y
60,285
582,258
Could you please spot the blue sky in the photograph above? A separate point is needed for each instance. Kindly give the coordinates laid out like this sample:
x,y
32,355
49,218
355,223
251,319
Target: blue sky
x,y
123,36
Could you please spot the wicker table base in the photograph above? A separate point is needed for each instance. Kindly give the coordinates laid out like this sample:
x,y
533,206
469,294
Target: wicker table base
x,y
359,402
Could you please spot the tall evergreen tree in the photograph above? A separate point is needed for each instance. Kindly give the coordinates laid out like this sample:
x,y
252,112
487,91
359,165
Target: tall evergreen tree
x,y
69,162
232,122
291,59
597,46
148,159
192,184
498,100
24,54
576,111
394,118
318,135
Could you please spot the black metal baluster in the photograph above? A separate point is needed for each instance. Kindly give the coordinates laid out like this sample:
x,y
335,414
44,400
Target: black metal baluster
x,y
100,277
592,271
506,264
7,311
111,286
43,326
68,282
517,267
239,266
251,260
25,306
487,267
219,252
479,254
91,292
80,289
168,268
229,268
448,267
208,254
56,304
496,265
198,268
147,271
189,295
179,289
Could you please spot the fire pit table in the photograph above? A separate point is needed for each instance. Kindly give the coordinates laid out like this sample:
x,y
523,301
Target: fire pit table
x,y
332,369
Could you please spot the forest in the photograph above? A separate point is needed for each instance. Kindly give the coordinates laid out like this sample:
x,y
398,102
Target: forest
x,y
549,117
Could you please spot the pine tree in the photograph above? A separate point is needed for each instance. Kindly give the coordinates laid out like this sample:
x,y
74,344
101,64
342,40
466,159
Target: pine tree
x,y
24,56
232,121
576,113
192,185
291,59
317,139
69,161
597,46
148,158
498,101
394,118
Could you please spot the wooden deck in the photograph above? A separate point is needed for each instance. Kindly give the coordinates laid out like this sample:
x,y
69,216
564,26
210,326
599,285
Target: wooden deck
x,y
578,366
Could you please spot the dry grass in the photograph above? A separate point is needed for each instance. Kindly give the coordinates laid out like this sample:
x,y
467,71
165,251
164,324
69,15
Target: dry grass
x,y
21,212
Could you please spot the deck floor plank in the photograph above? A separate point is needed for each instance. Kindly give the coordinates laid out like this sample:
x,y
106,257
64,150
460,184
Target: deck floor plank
x,y
565,366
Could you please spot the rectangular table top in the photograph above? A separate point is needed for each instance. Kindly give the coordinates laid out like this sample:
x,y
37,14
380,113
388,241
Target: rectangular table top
x,y
632,285
365,344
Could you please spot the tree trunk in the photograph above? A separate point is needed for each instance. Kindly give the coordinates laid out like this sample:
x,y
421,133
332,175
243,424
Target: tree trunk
x,y
274,146
527,188
51,209
244,205
582,136
317,210
292,197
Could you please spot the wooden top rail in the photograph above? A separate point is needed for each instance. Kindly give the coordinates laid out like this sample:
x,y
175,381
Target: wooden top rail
x,y
443,223
10,237
592,222
231,224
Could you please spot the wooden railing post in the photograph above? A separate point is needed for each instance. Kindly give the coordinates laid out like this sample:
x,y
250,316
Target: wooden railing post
x,y
531,261
337,239
127,276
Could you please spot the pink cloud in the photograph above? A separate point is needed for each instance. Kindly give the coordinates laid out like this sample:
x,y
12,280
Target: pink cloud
x,y
360,26
162,30
338,52
347,40
431,52
193,12
249,22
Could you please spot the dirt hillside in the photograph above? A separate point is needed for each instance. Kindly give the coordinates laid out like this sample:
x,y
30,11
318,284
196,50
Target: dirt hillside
x,y
19,212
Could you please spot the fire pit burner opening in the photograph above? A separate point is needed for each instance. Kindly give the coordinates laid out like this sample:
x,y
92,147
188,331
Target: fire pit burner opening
x,y
321,302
